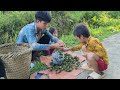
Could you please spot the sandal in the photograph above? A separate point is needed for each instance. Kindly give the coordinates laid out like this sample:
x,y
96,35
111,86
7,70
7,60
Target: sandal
x,y
41,76
95,75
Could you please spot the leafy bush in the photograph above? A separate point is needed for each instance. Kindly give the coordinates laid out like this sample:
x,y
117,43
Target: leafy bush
x,y
11,23
99,22
62,22
114,14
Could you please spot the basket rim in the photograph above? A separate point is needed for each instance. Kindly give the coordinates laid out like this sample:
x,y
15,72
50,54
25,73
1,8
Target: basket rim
x,y
6,44
23,52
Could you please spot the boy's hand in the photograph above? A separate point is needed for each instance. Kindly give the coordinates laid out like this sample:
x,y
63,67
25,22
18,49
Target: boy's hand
x,y
66,49
61,43
55,46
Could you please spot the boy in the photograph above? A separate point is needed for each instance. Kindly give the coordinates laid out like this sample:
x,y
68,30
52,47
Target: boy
x,y
93,50
33,32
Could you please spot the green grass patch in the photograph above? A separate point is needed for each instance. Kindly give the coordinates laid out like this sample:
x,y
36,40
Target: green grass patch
x,y
39,66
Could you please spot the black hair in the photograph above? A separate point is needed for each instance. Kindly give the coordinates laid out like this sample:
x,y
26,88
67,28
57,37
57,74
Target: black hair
x,y
81,29
43,16
51,30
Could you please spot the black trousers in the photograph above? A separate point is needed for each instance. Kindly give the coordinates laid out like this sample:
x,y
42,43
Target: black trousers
x,y
44,40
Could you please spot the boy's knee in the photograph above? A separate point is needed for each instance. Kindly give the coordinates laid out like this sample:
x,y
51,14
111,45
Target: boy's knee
x,y
91,56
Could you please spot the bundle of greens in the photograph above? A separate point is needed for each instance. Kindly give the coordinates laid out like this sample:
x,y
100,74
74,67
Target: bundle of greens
x,y
67,62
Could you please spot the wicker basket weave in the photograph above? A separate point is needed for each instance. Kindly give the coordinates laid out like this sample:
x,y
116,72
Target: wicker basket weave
x,y
16,60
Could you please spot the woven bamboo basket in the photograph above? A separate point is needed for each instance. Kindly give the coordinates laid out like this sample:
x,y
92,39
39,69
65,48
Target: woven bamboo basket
x,y
17,60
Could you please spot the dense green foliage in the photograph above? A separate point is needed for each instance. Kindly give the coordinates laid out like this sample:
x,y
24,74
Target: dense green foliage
x,y
101,23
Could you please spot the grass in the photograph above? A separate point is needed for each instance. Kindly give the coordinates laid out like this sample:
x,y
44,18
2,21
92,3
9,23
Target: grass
x,y
104,32
69,40
100,33
38,67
